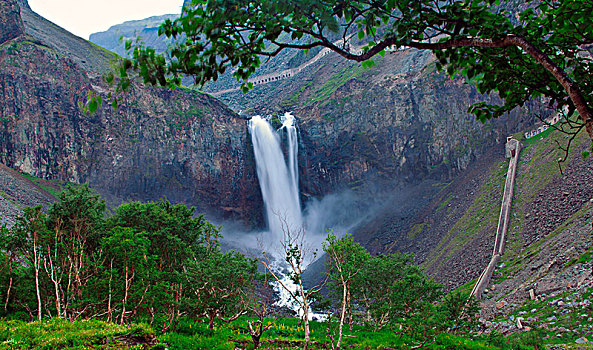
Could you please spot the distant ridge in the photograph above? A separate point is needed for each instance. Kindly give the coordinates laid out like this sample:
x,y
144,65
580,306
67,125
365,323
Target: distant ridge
x,y
146,30
82,52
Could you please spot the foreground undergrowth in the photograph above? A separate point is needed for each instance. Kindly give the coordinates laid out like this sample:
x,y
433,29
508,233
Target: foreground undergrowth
x,y
285,333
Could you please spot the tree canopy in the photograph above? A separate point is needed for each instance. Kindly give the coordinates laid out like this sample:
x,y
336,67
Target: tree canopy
x,y
520,50
150,261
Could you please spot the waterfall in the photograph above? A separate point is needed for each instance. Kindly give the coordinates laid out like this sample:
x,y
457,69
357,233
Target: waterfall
x,y
279,182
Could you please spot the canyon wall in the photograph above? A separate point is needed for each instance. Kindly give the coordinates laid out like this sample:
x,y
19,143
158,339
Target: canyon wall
x,y
180,144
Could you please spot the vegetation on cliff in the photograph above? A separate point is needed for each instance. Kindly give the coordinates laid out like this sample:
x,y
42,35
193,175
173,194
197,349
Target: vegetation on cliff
x,y
528,53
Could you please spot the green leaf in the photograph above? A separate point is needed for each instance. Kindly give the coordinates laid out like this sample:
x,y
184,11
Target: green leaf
x,y
93,105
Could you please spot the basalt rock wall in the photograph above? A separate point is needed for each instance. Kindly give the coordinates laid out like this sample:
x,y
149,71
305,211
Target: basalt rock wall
x,y
11,24
180,144
398,123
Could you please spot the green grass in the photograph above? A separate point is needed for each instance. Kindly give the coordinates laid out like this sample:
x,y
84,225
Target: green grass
x,y
53,187
351,71
467,287
60,334
535,139
418,229
294,99
480,218
445,202
286,333
105,51
586,257
195,335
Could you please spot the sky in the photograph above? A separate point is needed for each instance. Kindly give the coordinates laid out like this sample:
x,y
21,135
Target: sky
x,y
84,17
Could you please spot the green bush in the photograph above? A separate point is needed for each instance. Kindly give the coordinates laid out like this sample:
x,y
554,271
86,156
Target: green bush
x,y
177,341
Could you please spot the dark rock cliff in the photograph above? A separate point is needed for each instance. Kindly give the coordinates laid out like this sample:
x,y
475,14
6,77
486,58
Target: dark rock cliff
x,y
398,123
180,144
11,24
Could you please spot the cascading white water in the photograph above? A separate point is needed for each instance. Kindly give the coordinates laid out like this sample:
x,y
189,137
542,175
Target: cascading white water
x,y
279,182
280,190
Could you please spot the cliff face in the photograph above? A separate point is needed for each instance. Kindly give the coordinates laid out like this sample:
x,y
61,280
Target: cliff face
x,y
180,144
11,24
398,123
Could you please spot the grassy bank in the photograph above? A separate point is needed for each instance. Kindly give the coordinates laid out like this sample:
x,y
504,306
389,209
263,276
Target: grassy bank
x,y
285,333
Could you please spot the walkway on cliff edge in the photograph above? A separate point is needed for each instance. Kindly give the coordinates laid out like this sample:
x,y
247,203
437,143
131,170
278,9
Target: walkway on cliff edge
x,y
513,148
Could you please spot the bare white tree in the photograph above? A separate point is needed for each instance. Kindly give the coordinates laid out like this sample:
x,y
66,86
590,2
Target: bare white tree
x,y
298,256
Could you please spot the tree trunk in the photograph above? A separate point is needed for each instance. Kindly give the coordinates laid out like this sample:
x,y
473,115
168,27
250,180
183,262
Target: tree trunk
x,y
9,286
211,317
109,310
342,313
36,267
257,331
52,273
125,300
305,317
350,309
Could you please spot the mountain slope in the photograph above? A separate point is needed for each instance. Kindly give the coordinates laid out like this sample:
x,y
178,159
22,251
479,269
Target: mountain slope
x,y
398,123
550,222
18,192
146,30
84,54
181,144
